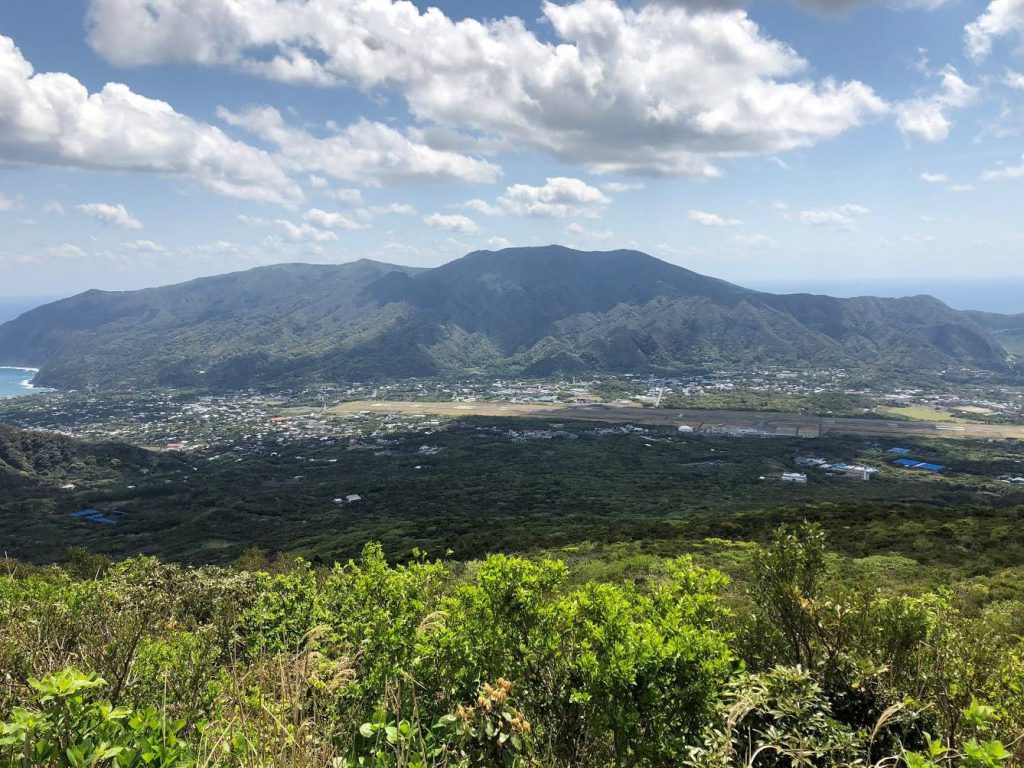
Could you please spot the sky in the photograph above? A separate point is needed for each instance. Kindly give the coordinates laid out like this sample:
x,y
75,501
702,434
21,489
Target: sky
x,y
842,144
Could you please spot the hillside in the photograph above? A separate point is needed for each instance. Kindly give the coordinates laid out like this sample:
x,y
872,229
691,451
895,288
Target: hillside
x,y
527,311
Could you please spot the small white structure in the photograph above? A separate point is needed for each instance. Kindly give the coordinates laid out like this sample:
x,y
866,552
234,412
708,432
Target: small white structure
x,y
344,501
685,428
794,477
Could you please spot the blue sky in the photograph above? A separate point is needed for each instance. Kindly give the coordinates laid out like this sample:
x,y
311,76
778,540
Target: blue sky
x,y
817,143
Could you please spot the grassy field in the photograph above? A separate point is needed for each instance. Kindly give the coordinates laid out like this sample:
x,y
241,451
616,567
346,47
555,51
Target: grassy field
x,y
919,413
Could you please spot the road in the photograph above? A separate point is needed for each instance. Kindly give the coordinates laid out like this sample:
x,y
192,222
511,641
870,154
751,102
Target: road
x,y
781,424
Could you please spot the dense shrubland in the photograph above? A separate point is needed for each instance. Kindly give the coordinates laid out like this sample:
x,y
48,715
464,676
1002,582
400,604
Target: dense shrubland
x,y
503,662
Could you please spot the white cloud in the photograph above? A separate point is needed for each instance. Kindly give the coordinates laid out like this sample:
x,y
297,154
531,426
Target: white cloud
x,y
1014,80
498,243
366,152
926,118
9,203
621,186
655,90
935,178
403,209
706,219
1002,174
843,216
351,197
331,220
52,119
305,232
559,197
452,223
111,215
961,187
756,241
482,206
1001,18
54,207
317,182
147,246
577,229
67,251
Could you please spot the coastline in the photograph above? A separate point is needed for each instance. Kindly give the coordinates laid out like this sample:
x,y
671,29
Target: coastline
x,y
26,384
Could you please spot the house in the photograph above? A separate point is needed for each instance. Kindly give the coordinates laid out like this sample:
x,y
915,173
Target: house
x,y
685,428
794,477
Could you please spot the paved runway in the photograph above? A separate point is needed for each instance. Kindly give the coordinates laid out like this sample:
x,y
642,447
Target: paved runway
x,y
790,424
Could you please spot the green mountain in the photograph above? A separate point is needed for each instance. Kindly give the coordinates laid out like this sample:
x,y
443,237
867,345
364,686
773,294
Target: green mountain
x,y
529,311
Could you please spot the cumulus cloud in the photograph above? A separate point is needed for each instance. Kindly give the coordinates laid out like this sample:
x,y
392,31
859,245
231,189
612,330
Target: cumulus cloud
x,y
331,220
1008,172
111,215
9,203
756,241
402,209
304,232
482,206
52,119
351,197
926,118
706,219
497,243
67,251
559,197
658,89
1001,18
842,216
367,152
935,178
1014,80
621,186
144,246
599,235
452,223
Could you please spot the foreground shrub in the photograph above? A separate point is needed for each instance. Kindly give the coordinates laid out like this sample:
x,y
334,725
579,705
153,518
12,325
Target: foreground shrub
x,y
68,726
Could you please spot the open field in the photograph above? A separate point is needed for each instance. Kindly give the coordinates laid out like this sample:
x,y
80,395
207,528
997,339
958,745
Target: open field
x,y
920,413
782,424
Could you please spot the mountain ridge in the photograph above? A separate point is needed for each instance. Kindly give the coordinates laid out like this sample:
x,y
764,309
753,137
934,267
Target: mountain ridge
x,y
530,311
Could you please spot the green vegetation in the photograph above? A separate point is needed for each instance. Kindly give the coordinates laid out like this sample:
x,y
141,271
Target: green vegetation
x,y
483,491
525,311
507,661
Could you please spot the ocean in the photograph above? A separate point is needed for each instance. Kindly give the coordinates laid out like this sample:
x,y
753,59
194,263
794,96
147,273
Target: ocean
x,y
14,382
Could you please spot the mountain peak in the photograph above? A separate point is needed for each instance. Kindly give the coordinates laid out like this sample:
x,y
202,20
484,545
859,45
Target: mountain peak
x,y
516,310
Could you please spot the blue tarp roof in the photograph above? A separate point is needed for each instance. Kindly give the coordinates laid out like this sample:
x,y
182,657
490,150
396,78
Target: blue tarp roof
x,y
94,515
911,464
